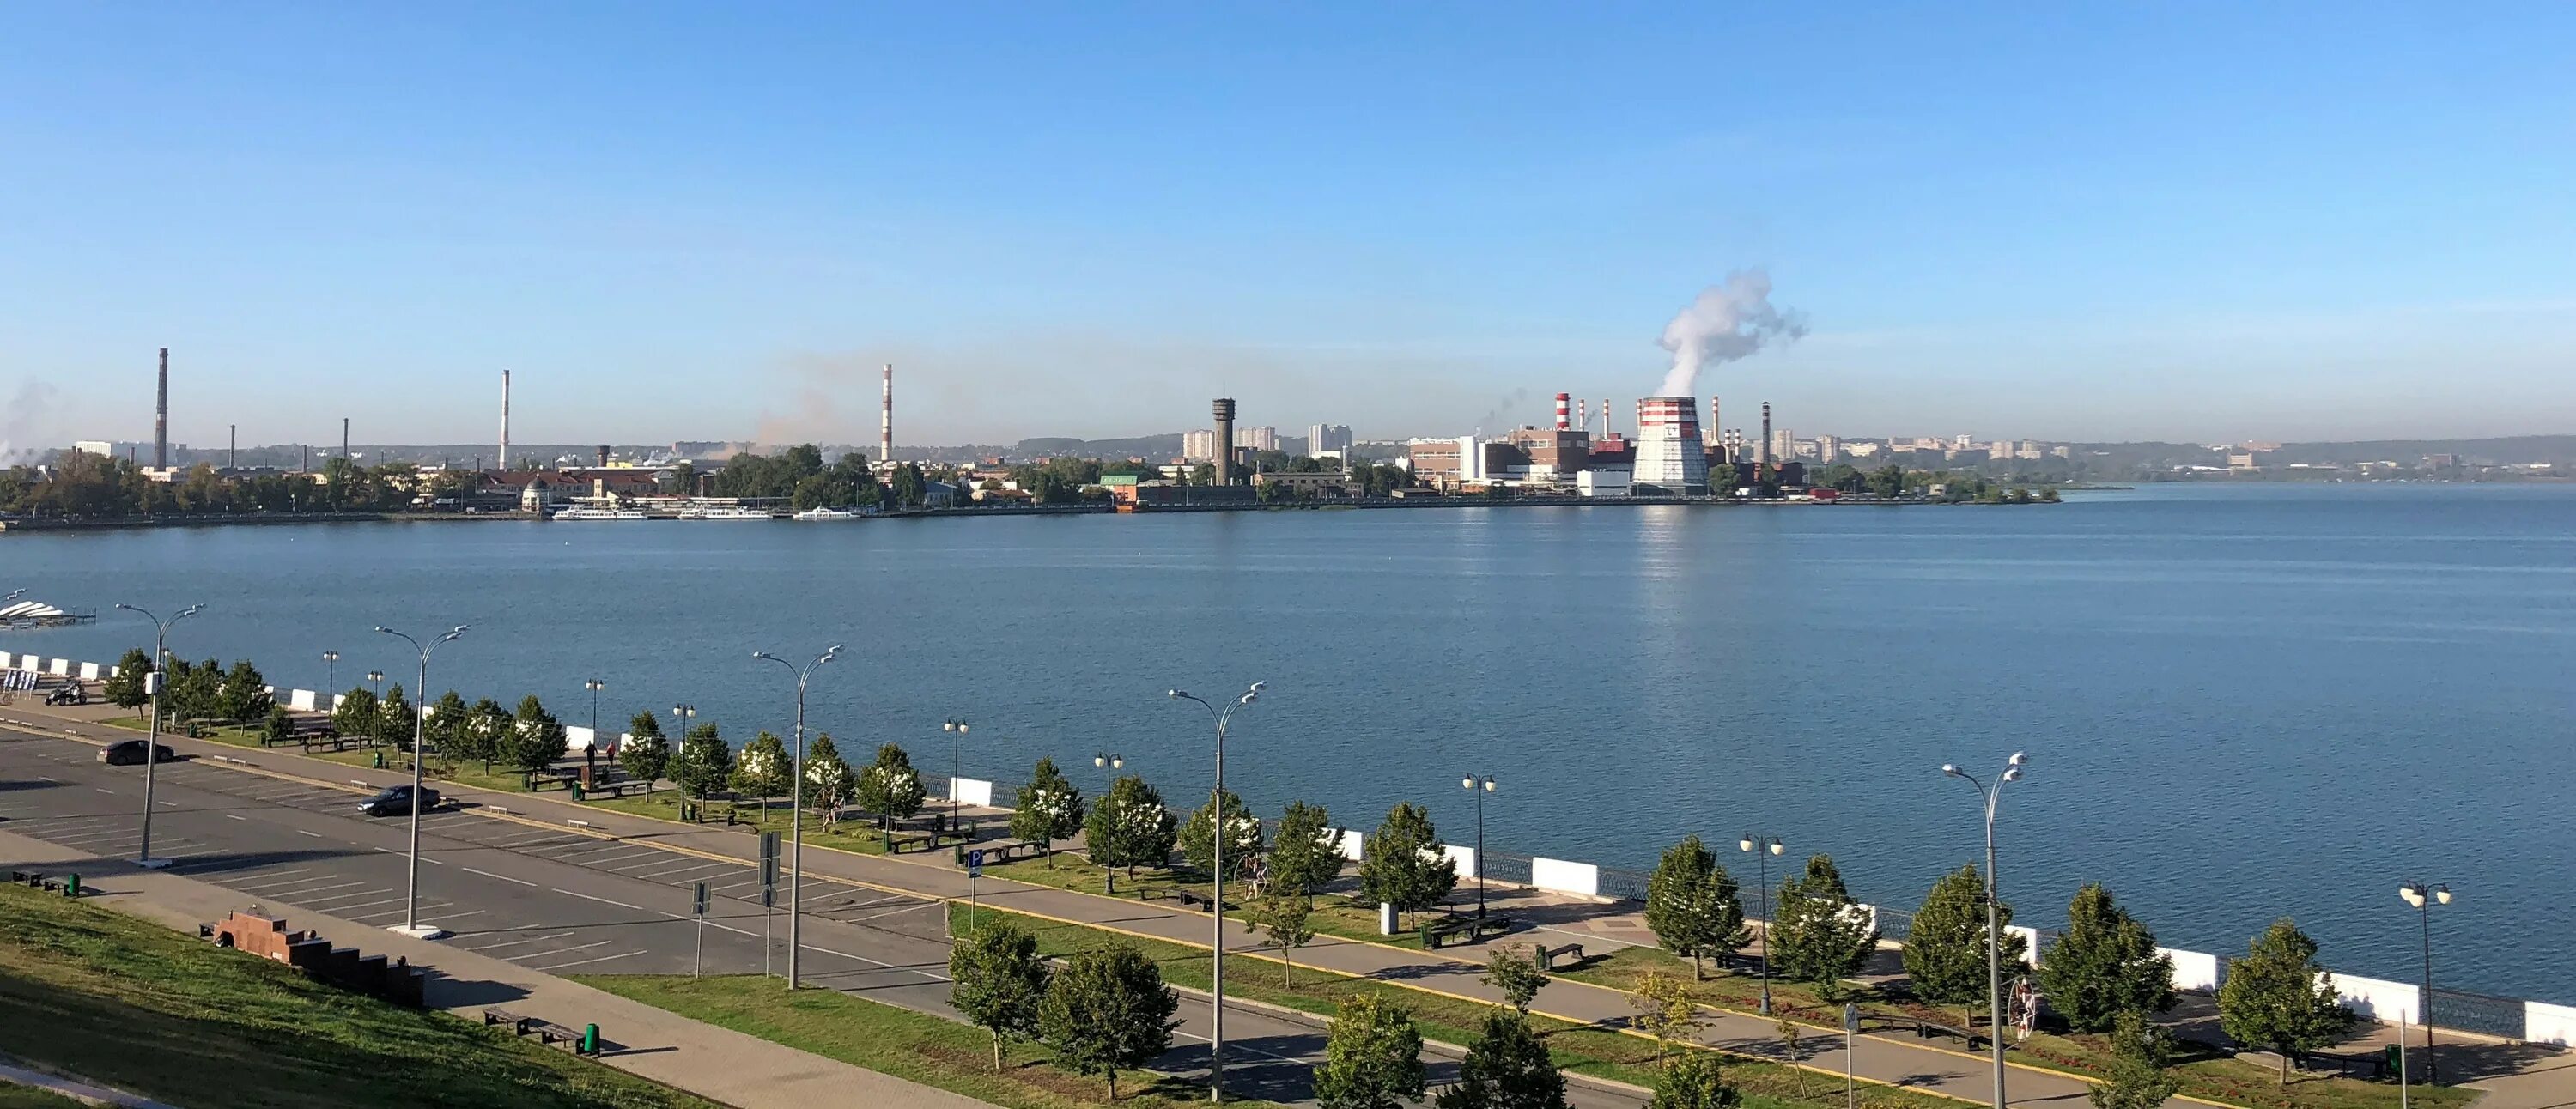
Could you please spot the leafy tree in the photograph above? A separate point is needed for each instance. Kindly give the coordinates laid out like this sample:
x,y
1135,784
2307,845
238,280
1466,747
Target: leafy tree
x,y
2140,1053
1242,839
1821,935
195,692
445,726
1887,481
998,982
705,763
280,725
828,777
394,716
1693,905
1372,1056
763,770
1945,950
1307,854
1665,1009
243,695
907,486
1129,827
1692,1080
1286,920
486,732
1403,864
1506,1068
1515,974
535,739
2104,964
890,787
646,754
125,687
2278,998
357,716
1049,808
1108,1010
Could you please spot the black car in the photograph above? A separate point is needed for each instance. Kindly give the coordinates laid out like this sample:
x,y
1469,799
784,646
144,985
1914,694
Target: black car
x,y
130,753
396,801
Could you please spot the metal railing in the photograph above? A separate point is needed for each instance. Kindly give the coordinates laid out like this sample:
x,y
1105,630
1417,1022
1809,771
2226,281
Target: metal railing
x,y
2476,1012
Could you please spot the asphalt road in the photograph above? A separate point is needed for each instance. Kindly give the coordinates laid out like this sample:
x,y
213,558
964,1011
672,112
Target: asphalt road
x,y
557,900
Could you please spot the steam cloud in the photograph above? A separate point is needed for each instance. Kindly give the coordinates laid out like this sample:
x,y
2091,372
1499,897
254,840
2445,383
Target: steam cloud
x,y
20,421
1728,321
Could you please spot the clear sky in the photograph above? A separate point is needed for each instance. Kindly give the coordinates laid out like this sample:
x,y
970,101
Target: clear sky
x,y
2187,221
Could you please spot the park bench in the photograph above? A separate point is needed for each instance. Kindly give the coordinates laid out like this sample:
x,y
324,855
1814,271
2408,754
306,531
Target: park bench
x,y
1188,897
68,885
1437,934
539,781
582,1041
898,842
1549,957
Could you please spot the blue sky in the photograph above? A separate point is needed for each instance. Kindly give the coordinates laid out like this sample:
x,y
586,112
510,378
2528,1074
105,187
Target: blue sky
x,y
2083,221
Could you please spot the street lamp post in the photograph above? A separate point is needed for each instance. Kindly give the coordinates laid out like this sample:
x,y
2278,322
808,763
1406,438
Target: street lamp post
x,y
796,806
1994,925
376,730
330,672
680,717
590,751
1480,787
2424,897
1762,849
956,730
411,925
152,747
1216,896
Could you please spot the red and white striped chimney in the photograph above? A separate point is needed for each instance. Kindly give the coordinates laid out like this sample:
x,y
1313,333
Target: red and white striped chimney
x,y
1565,411
1583,415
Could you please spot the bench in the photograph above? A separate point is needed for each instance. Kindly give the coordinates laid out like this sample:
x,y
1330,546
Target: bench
x,y
1188,897
583,1041
1547,957
898,842
1437,934
68,885
538,781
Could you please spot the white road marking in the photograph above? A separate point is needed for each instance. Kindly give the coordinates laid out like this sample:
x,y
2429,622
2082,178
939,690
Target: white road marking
x,y
318,835
235,816
515,943
585,962
104,789
601,900
558,951
503,877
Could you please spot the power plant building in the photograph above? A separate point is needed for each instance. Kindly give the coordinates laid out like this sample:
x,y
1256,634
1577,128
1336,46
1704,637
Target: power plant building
x,y
1672,458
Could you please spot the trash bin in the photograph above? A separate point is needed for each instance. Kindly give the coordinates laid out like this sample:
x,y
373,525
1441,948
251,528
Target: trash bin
x,y
579,793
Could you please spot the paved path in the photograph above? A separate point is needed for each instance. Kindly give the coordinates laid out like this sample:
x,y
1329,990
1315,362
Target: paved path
x,y
703,1059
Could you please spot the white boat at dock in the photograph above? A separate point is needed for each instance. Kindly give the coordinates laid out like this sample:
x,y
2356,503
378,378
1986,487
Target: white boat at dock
x,y
725,512
827,514
580,512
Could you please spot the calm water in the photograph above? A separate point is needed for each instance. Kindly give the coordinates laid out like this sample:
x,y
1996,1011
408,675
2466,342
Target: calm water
x,y
2240,701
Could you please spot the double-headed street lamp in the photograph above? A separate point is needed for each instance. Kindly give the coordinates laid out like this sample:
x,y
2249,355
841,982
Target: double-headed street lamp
x,y
1216,896
1480,787
152,747
411,925
376,730
956,729
594,685
330,672
2424,897
796,804
1109,765
1763,848
1993,793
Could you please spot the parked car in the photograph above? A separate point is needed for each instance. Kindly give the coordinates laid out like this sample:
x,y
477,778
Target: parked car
x,y
396,801
130,753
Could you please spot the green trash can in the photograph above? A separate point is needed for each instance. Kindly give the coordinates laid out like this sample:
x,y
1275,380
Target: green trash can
x,y
578,793
71,885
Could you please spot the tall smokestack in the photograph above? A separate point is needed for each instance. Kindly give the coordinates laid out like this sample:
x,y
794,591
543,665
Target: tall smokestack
x,y
1225,440
1564,414
344,437
1713,431
1605,418
1583,415
1766,433
232,446
505,419
885,421
161,418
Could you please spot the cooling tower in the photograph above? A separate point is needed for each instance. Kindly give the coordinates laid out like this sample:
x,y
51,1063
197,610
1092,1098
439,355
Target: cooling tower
x,y
1670,457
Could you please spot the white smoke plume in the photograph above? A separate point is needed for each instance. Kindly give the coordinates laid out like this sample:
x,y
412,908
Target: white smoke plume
x,y
1728,321
23,419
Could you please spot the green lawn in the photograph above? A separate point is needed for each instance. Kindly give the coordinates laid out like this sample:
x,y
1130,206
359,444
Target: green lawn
x,y
1335,915
29,1097
916,1046
135,1006
855,836
1581,1048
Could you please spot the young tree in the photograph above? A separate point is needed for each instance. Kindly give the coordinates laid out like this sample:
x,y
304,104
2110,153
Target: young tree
x,y
1515,974
828,777
763,770
1286,922
1307,853
890,787
997,980
2104,964
446,729
1049,808
394,716
1242,839
2279,999
280,725
646,754
487,732
1108,1010
356,717
1821,935
1665,1010
1506,1068
1693,905
1372,1057
1945,950
1129,827
1692,1080
125,687
194,692
1403,864
535,739
705,762
2140,1052
243,695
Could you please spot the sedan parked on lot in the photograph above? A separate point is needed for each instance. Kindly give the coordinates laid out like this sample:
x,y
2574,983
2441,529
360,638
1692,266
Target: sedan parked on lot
x,y
130,753
396,801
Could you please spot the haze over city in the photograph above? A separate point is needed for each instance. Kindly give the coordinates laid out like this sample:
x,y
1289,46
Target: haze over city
x,y
2201,224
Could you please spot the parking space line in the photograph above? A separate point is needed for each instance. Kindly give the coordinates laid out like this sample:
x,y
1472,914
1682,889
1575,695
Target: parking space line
x,y
237,816
318,902
318,835
558,951
503,877
713,924
601,900
586,962
366,904
515,943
